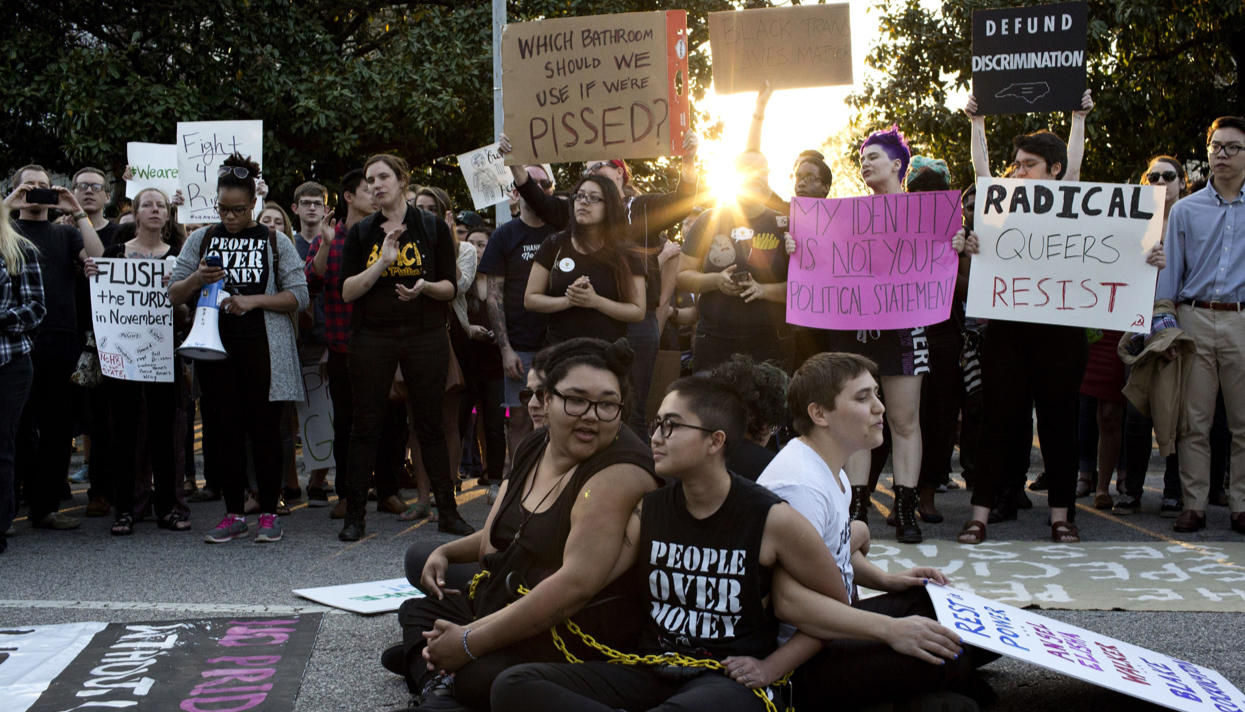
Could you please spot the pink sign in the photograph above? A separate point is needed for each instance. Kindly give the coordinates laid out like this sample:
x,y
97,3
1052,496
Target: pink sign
x,y
874,262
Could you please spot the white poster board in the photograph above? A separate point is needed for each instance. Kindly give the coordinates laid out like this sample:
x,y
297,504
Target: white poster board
x,y
1083,654
133,319
487,176
315,420
366,598
201,147
153,165
1065,252
32,656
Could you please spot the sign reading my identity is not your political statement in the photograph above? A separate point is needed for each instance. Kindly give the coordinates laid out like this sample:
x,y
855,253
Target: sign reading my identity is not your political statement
x,y
201,147
133,319
1083,654
153,165
603,86
1028,59
1062,252
790,47
873,262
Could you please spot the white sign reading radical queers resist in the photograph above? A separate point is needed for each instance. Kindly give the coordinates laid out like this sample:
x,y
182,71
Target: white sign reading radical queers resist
x,y
1065,252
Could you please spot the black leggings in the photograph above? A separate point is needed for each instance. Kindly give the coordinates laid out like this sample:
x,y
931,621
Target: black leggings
x,y
125,401
605,687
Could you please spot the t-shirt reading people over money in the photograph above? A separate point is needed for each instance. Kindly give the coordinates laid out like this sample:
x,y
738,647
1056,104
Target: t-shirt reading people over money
x,y
246,260
421,255
724,237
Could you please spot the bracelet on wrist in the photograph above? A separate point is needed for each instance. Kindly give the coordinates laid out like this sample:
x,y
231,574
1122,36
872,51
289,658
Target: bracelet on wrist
x,y
81,214
466,648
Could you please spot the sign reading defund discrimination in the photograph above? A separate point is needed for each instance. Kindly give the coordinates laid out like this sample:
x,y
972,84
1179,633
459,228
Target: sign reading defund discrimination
x,y
1029,59
201,147
790,47
874,262
603,86
1097,659
1061,252
133,319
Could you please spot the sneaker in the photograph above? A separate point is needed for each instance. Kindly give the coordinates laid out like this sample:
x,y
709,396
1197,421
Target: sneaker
x,y
231,527
1171,507
97,507
1126,505
81,475
283,509
317,496
339,510
452,523
57,521
269,528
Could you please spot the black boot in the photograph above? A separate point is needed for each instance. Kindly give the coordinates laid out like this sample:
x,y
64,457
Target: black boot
x,y
907,531
1004,509
859,509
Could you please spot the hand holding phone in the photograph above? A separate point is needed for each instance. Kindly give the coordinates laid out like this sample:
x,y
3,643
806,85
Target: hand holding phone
x,y
42,196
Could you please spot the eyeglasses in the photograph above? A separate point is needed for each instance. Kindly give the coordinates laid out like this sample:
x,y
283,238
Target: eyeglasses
x,y
237,171
1229,149
595,166
666,426
525,394
1166,176
545,184
84,187
1027,164
576,406
239,210
311,203
588,198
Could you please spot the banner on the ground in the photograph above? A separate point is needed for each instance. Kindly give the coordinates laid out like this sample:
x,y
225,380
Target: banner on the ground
x,y
602,86
367,598
790,47
201,147
315,420
133,319
152,165
1099,575
1028,59
212,665
1083,654
873,262
1063,252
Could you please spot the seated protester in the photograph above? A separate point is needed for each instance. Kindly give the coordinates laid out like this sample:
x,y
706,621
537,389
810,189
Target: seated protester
x,y
836,411
556,528
744,540
763,387
587,278
734,258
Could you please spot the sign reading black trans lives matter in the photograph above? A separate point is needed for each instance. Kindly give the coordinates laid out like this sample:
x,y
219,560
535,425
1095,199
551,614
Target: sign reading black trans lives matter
x,y
1028,59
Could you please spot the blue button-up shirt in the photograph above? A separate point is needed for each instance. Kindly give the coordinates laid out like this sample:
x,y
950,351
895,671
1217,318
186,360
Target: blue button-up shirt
x,y
1205,248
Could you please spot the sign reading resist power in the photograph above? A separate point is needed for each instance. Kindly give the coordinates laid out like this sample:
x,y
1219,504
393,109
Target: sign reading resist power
x,y
1028,59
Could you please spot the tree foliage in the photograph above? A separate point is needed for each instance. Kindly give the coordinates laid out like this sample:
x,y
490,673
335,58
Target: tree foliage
x,y
1160,73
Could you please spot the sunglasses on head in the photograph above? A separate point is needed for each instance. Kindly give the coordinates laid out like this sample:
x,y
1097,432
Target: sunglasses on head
x,y
238,172
1167,176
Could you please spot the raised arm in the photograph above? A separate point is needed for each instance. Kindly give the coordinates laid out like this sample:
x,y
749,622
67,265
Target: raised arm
x,y
758,118
1076,137
977,145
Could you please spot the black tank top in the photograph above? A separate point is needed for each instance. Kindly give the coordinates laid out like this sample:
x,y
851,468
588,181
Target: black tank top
x,y
706,588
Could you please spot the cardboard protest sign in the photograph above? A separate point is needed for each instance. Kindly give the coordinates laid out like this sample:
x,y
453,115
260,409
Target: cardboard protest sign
x,y
487,176
1063,252
194,665
874,262
604,86
315,420
1083,654
1028,59
366,598
133,319
795,46
201,146
154,165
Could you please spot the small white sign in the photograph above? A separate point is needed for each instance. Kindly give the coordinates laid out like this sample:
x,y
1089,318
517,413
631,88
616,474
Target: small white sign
x,y
153,165
201,147
487,176
366,598
315,420
133,319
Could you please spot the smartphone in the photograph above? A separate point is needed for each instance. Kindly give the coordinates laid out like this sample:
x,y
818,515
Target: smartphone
x,y
213,261
741,276
42,196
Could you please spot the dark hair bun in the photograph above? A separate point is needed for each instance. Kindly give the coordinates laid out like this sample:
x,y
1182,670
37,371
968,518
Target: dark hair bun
x,y
620,356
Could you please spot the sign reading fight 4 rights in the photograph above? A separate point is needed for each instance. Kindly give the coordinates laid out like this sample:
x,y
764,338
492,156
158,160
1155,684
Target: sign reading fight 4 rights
x,y
133,319
1084,654
603,86
790,47
873,262
153,165
201,147
1063,252
1028,59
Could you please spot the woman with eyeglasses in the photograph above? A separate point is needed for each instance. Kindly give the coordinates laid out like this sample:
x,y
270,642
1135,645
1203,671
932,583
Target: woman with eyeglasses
x,y
244,394
550,543
587,278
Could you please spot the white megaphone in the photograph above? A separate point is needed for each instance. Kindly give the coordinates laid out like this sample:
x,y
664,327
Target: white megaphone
x,y
203,342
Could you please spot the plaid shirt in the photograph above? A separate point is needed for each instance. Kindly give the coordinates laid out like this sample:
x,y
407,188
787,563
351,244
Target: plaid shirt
x,y
336,311
21,307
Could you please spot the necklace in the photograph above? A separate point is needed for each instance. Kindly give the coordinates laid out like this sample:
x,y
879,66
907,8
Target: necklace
x,y
528,514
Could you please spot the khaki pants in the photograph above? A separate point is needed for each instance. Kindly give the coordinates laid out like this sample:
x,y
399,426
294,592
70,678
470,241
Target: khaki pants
x,y
1219,362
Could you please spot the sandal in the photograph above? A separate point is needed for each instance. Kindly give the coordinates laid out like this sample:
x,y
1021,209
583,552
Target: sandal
x,y
418,510
1084,486
176,521
1064,533
124,525
974,532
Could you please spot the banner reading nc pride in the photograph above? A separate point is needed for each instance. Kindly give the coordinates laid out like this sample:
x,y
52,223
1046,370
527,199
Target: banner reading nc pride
x,y
874,262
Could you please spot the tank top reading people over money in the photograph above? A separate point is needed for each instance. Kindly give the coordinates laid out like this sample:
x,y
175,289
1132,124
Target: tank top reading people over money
x,y
706,588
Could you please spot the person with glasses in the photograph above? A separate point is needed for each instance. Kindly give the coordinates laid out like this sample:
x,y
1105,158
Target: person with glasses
x,y
556,530
587,279
243,395
1205,279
